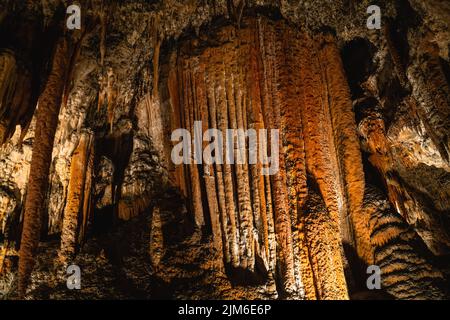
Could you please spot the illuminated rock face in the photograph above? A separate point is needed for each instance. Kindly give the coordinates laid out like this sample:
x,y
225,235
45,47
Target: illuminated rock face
x,y
363,163
266,75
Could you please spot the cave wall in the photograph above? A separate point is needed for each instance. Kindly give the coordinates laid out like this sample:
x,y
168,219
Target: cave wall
x,y
364,144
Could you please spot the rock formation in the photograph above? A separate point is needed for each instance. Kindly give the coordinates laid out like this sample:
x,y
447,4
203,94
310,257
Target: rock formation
x,y
339,136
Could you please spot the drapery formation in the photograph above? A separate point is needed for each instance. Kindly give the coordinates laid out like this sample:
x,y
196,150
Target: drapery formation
x,y
267,75
307,230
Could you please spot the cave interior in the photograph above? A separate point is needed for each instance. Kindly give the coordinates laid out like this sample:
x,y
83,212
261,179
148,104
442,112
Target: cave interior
x,y
87,176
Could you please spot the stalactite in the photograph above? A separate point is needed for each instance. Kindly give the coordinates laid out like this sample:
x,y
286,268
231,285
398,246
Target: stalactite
x,y
87,197
108,94
111,96
292,134
188,106
15,93
76,210
235,11
8,79
262,77
432,92
156,49
103,83
46,122
294,147
344,132
234,89
257,180
266,183
272,70
208,169
319,153
429,100
223,124
103,24
176,120
210,87
322,157
71,68
323,245
256,122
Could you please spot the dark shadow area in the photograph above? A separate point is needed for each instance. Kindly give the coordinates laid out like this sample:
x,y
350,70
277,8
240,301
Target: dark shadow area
x,y
358,290
245,277
357,57
446,70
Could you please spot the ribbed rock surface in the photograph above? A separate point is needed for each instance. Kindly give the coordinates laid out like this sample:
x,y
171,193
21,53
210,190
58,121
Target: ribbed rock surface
x,y
356,108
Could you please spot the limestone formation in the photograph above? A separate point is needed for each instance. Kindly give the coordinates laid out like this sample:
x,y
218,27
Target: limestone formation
x,y
339,137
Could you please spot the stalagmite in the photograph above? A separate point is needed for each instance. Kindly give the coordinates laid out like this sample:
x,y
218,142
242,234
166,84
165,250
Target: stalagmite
x,y
46,122
76,211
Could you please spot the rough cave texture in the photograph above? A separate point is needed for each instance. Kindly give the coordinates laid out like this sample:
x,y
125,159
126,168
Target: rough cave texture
x,y
86,175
